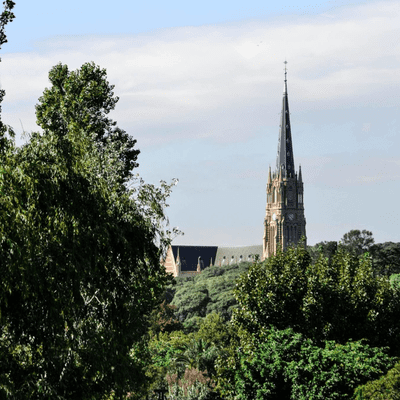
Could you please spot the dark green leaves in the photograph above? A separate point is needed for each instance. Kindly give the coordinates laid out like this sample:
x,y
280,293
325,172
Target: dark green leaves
x,y
79,250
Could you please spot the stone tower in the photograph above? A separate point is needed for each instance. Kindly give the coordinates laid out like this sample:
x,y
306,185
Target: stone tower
x,y
284,223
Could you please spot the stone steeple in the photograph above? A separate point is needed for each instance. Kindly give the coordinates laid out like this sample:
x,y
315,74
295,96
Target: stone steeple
x,y
284,223
285,158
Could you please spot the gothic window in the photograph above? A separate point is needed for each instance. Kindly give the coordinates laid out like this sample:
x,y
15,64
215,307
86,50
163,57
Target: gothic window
x,y
300,198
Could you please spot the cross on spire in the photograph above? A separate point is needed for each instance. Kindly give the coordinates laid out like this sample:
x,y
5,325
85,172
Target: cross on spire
x,y
285,62
285,84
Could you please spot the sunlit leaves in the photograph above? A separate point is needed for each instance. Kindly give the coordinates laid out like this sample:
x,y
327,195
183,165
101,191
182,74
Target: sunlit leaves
x,y
337,300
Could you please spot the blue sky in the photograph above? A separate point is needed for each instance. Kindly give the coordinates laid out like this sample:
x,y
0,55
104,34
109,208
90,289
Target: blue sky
x,y
200,88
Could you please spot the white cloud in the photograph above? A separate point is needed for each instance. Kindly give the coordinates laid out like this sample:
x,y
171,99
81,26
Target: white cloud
x,y
181,74
222,85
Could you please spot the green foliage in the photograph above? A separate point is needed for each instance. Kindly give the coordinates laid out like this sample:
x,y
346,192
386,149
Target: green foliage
x,y
324,249
206,293
175,353
339,301
282,365
386,387
395,281
6,132
79,101
386,258
6,16
162,319
80,250
358,242
215,330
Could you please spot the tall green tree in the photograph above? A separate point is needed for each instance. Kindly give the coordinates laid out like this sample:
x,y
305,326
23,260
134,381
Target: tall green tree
x,y
358,242
339,301
79,249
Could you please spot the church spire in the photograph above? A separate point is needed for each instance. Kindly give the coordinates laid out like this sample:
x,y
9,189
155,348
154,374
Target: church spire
x,y
285,157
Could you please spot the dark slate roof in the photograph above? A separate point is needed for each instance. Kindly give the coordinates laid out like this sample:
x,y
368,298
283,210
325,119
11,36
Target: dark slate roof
x,y
285,157
189,256
245,251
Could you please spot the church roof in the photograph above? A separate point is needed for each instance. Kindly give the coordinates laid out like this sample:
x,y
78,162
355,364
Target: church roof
x,y
226,255
189,256
285,157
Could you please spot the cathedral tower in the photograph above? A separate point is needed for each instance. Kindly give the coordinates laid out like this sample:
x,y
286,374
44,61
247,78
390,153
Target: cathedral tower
x,y
284,223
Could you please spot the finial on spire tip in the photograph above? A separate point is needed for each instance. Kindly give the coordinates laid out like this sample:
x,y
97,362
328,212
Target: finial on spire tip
x,y
285,84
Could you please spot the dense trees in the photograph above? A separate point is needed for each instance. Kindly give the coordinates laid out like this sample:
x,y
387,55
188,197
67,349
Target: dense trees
x,y
385,256
303,326
337,301
80,251
283,364
206,293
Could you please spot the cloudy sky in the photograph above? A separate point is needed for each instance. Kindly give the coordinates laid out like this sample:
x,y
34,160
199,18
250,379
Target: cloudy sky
x,y
200,88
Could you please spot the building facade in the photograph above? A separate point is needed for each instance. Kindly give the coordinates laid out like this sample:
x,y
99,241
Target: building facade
x,y
187,260
284,223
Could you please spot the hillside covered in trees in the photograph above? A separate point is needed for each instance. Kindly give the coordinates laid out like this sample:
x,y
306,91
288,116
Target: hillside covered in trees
x,y
307,324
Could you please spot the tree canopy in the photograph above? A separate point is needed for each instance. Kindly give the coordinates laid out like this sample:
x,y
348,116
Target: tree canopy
x,y
358,242
310,330
206,293
80,250
339,301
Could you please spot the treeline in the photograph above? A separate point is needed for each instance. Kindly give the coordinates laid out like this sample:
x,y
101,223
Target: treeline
x,y
297,326
385,256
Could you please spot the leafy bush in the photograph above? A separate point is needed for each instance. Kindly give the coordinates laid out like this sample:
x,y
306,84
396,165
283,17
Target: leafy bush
x,y
385,388
282,365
